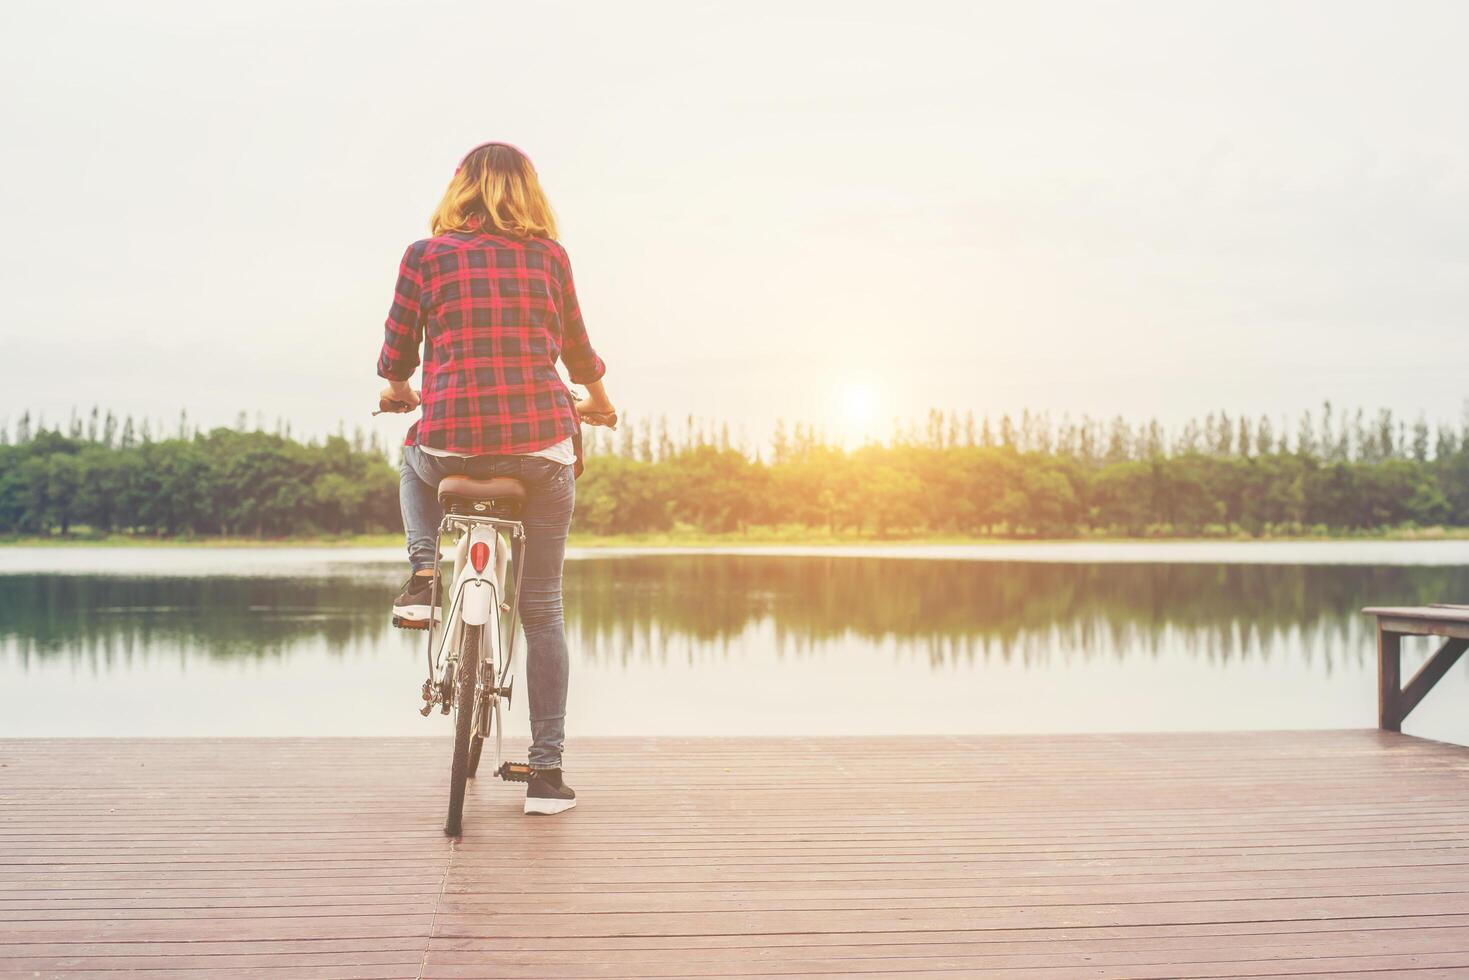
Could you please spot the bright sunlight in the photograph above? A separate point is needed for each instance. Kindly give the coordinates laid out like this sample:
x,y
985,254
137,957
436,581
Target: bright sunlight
x,y
857,405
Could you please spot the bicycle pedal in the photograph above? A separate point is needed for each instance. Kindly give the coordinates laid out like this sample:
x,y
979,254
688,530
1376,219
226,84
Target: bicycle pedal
x,y
514,772
410,624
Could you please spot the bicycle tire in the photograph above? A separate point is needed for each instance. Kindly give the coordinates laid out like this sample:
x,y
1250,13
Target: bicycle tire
x,y
468,673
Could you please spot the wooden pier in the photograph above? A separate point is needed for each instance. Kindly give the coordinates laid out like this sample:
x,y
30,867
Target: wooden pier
x,y
1448,623
1341,853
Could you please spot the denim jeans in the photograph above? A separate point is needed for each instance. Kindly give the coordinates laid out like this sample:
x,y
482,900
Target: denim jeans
x,y
550,499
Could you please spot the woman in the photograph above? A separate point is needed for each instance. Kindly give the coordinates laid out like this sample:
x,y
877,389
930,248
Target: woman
x,y
490,296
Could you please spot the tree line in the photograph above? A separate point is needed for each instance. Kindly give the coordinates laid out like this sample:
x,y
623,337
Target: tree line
x,y
950,474
116,476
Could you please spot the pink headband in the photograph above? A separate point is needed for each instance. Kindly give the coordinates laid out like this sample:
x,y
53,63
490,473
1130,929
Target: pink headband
x,y
511,146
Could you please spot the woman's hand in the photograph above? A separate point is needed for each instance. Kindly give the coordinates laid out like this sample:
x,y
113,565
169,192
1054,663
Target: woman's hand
x,y
597,407
593,412
398,397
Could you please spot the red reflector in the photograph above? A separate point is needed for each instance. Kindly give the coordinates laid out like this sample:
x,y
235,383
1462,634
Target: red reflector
x,y
479,555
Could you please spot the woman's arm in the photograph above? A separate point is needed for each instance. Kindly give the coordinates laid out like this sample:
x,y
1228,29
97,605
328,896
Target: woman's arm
x,y
582,363
403,330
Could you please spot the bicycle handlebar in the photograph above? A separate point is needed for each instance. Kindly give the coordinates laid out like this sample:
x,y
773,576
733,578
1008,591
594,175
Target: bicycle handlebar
x,y
390,406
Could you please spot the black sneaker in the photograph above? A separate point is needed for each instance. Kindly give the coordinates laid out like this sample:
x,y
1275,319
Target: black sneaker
x,y
547,794
414,605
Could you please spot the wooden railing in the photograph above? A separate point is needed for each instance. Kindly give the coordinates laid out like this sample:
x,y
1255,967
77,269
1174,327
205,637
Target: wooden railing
x,y
1396,700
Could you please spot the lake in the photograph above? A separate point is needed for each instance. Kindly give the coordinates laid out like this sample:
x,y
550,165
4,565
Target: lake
x,y
1022,638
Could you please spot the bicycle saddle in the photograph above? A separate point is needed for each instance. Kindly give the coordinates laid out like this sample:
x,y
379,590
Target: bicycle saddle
x,y
503,491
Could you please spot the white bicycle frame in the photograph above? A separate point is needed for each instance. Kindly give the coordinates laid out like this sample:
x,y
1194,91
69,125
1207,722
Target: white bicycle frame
x,y
477,598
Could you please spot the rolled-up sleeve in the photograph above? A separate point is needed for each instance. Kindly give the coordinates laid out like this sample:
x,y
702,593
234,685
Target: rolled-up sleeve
x,y
583,365
403,331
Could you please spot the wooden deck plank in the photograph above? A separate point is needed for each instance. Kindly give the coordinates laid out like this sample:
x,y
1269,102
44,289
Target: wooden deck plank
x,y
1252,854
620,898
1439,965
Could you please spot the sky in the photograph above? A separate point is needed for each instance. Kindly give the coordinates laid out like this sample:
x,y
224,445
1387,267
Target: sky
x,y
836,213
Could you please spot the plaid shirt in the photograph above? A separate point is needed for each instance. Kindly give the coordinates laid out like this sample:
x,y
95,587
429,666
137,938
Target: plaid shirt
x,y
493,313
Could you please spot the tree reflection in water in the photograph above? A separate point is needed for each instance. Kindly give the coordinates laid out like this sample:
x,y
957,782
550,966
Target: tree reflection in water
x,y
650,608
118,622
1022,612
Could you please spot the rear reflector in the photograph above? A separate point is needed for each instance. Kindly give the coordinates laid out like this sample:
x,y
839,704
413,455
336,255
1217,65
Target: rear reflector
x,y
479,555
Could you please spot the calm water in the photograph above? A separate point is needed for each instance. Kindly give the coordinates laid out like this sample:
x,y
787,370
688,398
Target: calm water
x,y
1039,638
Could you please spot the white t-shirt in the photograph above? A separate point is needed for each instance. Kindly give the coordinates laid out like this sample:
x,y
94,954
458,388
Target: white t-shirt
x,y
563,452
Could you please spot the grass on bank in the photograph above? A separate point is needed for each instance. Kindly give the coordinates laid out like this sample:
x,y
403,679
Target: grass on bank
x,y
794,535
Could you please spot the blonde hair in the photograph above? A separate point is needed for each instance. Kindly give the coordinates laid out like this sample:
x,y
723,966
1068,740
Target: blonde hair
x,y
495,190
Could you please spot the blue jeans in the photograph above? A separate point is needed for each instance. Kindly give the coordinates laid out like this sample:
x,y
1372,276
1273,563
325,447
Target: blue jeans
x,y
550,500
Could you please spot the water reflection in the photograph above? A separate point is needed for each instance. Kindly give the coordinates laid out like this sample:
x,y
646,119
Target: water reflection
x,y
732,644
114,622
651,608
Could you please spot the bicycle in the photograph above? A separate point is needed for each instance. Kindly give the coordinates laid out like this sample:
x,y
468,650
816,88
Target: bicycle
x,y
472,650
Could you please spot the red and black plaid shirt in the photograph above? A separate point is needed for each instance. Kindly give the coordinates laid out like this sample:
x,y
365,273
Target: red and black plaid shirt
x,y
493,313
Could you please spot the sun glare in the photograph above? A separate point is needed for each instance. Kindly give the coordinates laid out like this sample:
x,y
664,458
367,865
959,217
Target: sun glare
x,y
859,404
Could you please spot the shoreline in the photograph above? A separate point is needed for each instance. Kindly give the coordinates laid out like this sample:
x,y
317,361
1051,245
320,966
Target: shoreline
x,y
294,558
755,540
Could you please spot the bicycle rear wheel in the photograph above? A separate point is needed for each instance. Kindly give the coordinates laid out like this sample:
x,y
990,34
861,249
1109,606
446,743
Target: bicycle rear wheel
x,y
468,674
